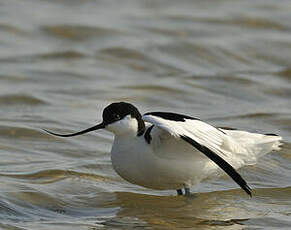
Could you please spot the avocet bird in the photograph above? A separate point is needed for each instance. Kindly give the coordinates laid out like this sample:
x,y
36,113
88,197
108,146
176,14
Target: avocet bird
x,y
162,150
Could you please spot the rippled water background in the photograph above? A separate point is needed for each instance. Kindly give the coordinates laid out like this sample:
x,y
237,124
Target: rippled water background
x,y
62,61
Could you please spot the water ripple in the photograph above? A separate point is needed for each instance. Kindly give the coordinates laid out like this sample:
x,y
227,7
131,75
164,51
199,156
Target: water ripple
x,y
79,32
54,175
17,99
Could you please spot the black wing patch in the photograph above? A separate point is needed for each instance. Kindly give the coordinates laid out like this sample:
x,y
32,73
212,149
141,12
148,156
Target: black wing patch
x,y
147,135
171,116
226,167
176,117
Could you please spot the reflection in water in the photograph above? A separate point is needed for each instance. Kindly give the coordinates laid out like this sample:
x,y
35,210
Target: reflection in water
x,y
201,210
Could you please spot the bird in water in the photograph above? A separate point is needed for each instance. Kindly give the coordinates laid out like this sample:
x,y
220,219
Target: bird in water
x,y
170,151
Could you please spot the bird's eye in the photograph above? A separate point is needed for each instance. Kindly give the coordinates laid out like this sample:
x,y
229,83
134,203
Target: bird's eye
x,y
116,116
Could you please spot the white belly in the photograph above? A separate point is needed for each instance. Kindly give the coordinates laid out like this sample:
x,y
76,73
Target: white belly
x,y
135,162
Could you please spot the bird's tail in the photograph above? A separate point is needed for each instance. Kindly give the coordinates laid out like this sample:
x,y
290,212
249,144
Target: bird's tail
x,y
267,143
255,145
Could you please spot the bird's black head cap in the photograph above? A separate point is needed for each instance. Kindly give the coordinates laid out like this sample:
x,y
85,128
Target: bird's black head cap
x,y
118,110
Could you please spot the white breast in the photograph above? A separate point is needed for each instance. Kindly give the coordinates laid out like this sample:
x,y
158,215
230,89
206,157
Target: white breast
x,y
133,159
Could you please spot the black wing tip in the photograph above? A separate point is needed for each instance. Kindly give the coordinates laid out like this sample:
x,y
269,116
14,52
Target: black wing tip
x,y
244,186
272,134
224,165
248,190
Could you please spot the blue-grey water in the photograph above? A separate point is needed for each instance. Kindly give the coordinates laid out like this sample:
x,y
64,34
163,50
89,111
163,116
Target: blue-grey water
x,y
63,61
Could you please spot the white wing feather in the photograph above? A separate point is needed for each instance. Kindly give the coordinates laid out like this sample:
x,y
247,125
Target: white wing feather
x,y
205,138
221,146
203,133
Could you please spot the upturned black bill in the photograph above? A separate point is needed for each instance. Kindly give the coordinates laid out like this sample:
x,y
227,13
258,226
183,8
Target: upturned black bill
x,y
96,127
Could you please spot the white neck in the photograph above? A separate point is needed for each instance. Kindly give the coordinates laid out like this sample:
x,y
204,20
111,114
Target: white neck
x,y
128,127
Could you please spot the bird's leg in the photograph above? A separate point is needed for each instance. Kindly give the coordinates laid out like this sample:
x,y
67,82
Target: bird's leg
x,y
187,191
179,192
